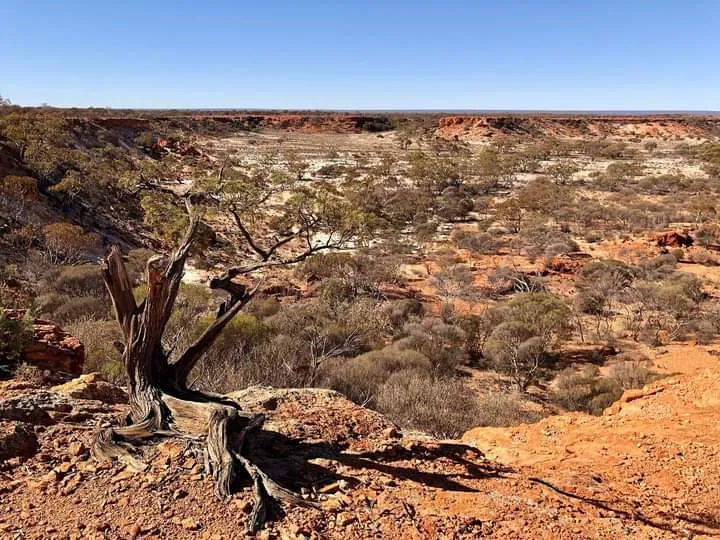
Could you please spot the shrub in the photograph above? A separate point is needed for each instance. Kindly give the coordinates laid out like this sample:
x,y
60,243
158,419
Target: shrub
x,y
81,280
360,378
503,410
632,375
590,392
17,193
479,243
586,391
535,323
99,337
15,334
401,312
443,344
702,256
69,244
79,307
705,332
413,399
263,306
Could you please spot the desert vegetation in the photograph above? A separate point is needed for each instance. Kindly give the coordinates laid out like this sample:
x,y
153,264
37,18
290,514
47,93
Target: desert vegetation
x,y
444,281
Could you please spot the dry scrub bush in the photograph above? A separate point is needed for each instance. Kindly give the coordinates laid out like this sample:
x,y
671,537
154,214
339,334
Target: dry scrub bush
x,y
501,409
360,378
441,407
632,374
586,391
69,244
479,243
535,324
443,344
17,195
401,312
99,337
14,336
590,392
73,293
292,347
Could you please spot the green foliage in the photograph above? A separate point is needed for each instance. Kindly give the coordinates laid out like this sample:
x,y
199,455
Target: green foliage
x,y
360,378
166,219
586,391
99,337
442,343
69,244
15,335
543,314
441,407
591,392
534,324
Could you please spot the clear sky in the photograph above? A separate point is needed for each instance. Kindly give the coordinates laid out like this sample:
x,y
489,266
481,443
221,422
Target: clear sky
x,y
363,54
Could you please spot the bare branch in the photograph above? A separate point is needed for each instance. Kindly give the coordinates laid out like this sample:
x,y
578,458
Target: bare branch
x,y
187,361
264,255
120,288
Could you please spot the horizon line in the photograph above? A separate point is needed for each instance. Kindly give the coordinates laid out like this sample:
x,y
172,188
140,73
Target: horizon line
x,y
620,112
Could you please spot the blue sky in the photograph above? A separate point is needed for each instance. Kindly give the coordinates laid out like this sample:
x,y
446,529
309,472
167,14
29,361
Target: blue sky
x,y
511,54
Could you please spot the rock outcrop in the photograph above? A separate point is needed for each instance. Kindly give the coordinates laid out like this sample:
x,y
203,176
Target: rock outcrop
x,y
92,386
647,469
673,239
51,348
474,127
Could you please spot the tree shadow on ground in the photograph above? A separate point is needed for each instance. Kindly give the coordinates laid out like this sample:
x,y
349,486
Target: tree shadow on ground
x,y
681,523
290,462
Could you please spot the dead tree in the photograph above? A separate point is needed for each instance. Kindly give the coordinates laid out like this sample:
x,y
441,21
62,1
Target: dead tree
x,y
161,402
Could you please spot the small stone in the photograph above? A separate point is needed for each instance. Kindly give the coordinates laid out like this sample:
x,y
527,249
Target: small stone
x,y
51,477
189,463
169,449
76,449
345,519
330,488
190,524
391,433
86,466
243,505
122,475
64,467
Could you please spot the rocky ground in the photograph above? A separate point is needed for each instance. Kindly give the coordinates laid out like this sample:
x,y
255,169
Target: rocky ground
x,y
648,468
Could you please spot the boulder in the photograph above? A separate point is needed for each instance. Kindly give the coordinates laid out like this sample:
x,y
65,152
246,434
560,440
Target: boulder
x,y
92,386
673,239
17,439
51,348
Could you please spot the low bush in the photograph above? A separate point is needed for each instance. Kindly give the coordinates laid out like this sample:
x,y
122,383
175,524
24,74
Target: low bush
x,y
442,343
503,410
590,392
413,399
586,391
632,375
360,378
14,336
64,309
99,337
80,280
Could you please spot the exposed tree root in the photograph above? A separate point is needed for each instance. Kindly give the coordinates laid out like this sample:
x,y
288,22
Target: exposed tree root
x,y
226,431
160,400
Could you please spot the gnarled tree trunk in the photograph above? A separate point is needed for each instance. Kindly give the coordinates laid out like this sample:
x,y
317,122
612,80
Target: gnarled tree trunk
x,y
161,404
